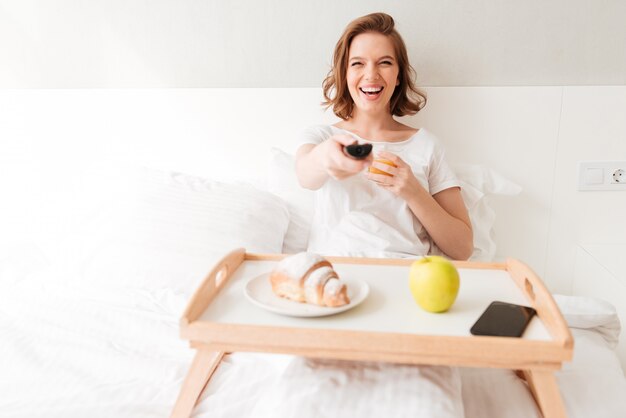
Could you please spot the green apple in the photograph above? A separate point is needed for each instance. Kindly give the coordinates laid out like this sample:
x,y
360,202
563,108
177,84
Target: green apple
x,y
434,283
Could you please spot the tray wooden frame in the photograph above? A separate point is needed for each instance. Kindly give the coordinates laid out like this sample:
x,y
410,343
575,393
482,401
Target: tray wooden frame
x,y
533,360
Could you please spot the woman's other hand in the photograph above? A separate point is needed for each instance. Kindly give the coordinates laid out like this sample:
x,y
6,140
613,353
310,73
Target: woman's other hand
x,y
444,214
399,179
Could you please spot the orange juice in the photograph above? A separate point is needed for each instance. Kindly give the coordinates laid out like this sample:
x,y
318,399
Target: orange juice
x,y
375,170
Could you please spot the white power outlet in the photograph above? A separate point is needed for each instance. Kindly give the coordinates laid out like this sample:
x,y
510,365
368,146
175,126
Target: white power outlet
x,y
619,176
602,175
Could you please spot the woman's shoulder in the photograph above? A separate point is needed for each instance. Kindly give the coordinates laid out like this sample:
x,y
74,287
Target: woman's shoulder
x,y
425,142
405,129
426,137
403,133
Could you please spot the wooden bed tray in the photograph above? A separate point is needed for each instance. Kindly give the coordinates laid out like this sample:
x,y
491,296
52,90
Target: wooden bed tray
x,y
387,326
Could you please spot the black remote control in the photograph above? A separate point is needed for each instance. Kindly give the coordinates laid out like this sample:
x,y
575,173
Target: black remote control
x,y
358,151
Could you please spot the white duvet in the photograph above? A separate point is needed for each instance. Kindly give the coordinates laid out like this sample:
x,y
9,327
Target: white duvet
x,y
89,351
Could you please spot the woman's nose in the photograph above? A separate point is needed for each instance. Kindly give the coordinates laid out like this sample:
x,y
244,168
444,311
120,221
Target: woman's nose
x,y
371,73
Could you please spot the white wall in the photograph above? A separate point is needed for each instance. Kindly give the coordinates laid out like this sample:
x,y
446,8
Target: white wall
x,y
288,43
593,127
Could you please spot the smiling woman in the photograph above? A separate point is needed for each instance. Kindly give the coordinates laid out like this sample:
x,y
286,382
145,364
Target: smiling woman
x,y
408,203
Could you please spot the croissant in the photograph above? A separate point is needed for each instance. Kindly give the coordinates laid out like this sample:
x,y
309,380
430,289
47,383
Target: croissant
x,y
308,278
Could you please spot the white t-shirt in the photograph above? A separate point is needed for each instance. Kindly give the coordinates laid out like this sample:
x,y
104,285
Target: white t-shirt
x,y
356,217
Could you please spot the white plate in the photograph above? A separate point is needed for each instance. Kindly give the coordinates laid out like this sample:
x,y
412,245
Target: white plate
x,y
259,291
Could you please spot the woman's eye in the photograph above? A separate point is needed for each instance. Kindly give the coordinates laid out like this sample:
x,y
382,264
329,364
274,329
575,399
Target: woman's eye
x,y
354,64
386,62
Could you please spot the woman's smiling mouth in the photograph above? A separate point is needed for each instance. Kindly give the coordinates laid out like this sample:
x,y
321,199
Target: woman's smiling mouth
x,y
371,93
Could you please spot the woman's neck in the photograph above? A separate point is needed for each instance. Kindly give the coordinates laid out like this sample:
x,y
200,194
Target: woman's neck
x,y
370,125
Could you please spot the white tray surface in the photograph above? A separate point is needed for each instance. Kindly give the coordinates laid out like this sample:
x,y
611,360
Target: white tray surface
x,y
388,308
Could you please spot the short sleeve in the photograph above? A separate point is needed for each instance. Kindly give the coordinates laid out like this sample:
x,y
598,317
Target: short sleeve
x,y
314,135
440,174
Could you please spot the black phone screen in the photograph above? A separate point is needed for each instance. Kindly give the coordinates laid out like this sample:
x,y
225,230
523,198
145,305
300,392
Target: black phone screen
x,y
503,319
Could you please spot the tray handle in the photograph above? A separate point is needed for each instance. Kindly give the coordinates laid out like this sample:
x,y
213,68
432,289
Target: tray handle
x,y
211,284
541,299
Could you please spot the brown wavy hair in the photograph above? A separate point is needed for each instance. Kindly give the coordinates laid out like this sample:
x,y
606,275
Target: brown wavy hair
x,y
407,99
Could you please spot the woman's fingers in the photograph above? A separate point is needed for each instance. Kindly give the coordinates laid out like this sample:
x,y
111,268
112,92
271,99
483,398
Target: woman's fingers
x,y
391,172
380,179
337,164
351,165
391,157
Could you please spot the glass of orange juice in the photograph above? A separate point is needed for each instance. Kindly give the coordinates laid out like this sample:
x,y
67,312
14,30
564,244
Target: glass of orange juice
x,y
375,170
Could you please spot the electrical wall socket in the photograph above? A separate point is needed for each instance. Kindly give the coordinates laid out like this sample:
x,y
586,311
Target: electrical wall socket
x,y
602,175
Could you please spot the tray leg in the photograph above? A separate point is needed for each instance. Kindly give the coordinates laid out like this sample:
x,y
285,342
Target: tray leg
x,y
546,392
204,364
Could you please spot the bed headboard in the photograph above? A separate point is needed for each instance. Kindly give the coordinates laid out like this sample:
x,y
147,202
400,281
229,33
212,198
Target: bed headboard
x,y
532,135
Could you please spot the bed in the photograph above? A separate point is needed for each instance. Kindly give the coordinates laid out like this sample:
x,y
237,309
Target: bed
x,y
108,239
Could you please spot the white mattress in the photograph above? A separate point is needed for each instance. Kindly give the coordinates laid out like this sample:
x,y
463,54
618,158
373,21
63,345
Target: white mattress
x,y
77,350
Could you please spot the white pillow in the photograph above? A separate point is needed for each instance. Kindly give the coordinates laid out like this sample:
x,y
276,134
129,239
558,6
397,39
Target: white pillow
x,y
477,184
592,314
282,181
147,228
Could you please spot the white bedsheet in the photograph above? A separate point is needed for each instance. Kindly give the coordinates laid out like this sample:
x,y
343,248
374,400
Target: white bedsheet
x,y
76,351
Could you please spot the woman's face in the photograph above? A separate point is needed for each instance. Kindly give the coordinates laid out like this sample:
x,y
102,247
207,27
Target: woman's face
x,y
372,73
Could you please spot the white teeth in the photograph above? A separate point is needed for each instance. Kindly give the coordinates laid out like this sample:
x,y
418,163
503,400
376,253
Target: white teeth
x,y
371,89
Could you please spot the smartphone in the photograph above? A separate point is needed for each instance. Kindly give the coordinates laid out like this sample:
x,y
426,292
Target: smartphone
x,y
358,151
503,319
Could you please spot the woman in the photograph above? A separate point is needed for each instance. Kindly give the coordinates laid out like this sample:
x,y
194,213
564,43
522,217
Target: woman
x,y
408,204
